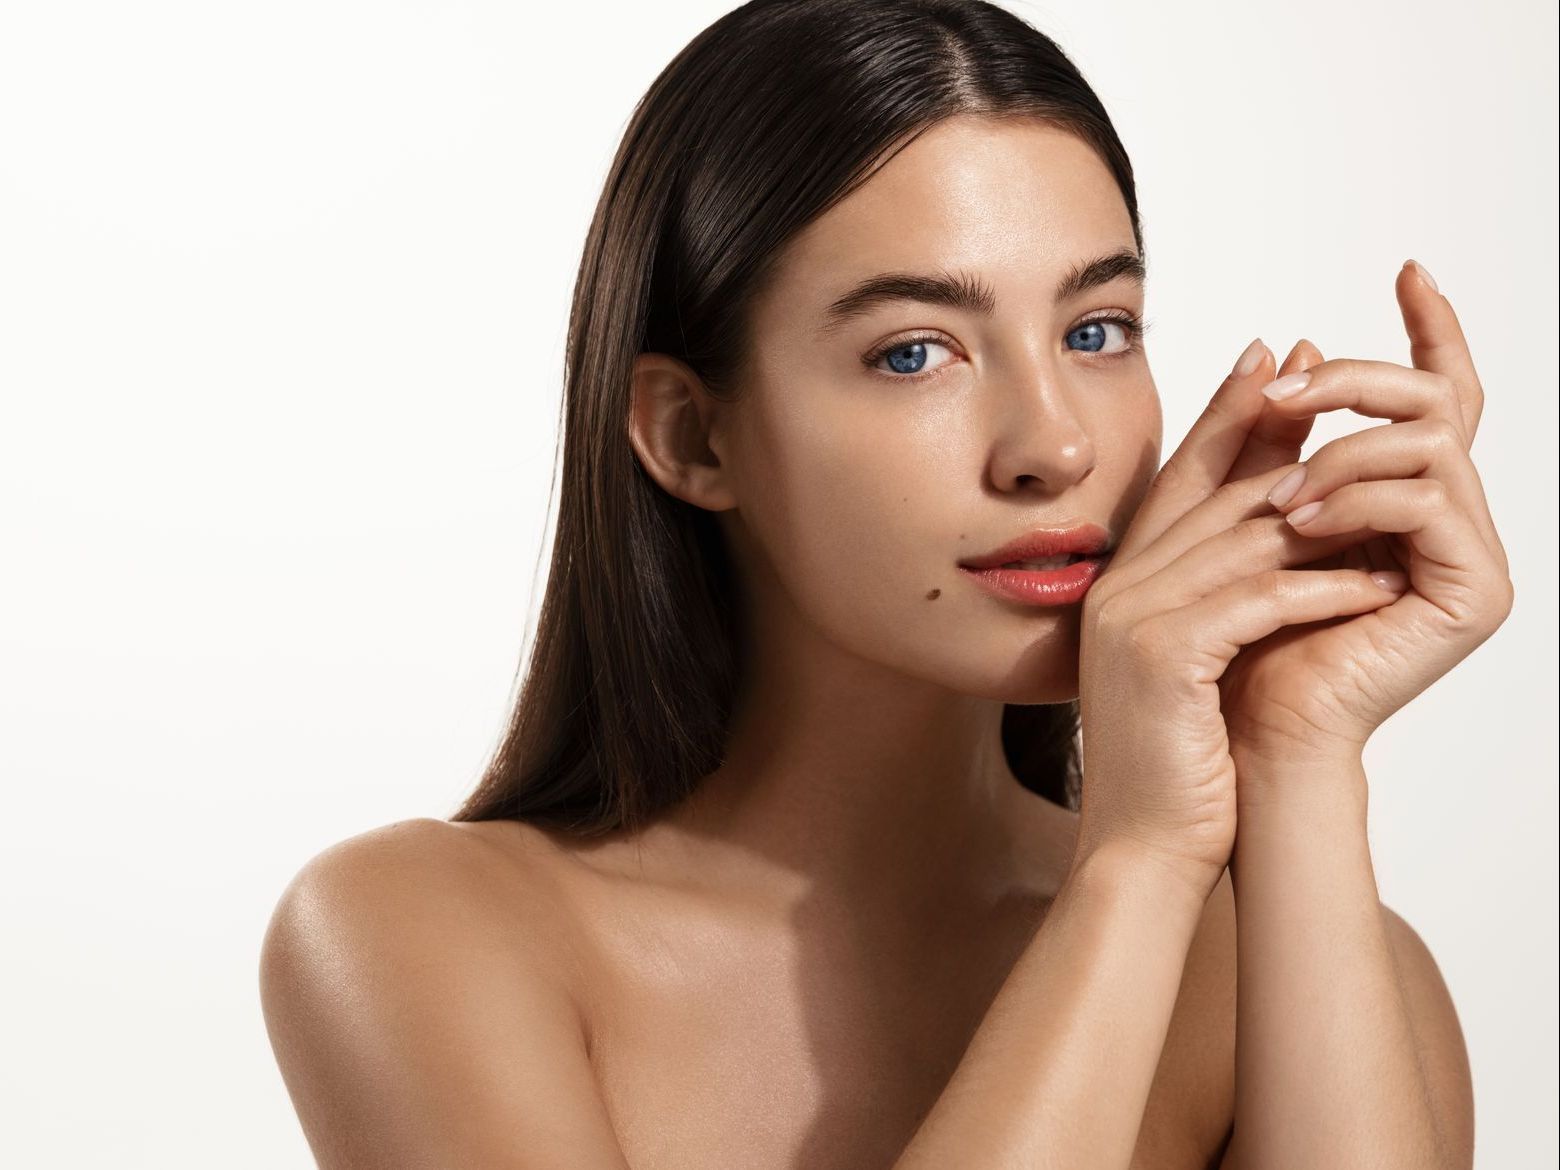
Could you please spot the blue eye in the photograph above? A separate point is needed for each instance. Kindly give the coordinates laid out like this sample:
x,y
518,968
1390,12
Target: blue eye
x,y
907,356
1094,333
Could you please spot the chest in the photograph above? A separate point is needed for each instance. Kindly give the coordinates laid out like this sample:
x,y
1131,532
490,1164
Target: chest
x,y
719,1046
716,1047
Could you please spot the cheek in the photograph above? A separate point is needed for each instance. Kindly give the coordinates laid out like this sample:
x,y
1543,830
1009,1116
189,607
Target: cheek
x,y
850,512
1134,454
842,505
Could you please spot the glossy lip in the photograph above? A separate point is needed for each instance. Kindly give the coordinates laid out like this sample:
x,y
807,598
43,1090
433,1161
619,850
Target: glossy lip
x,y
1086,539
1039,586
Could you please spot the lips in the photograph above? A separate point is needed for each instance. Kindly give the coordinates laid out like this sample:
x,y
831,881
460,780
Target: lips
x,y
1086,540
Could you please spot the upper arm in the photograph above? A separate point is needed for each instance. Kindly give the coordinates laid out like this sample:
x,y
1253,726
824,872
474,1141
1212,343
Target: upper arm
x,y
421,1021
1442,1051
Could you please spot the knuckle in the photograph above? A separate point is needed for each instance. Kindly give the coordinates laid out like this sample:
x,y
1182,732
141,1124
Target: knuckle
x,y
1254,535
1104,610
1236,494
1445,435
1507,596
1492,609
1149,638
1267,583
1435,495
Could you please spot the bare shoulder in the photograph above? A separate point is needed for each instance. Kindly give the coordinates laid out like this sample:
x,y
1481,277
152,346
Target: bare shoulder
x,y
417,986
430,889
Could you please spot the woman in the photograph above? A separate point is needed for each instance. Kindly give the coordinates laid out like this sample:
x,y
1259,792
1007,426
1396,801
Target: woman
x,y
784,860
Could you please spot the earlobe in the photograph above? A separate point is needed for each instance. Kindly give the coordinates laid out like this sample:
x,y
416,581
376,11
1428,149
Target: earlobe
x,y
670,418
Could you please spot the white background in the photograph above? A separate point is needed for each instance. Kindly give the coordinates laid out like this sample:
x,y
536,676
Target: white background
x,y
283,290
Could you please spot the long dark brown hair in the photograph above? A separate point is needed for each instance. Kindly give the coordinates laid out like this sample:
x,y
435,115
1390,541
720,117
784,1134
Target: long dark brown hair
x,y
759,125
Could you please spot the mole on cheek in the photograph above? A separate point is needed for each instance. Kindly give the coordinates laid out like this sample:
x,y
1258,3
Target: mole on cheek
x,y
934,595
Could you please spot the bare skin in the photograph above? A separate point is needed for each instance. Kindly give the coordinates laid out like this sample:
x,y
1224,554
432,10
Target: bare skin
x,y
580,1012
730,1028
861,942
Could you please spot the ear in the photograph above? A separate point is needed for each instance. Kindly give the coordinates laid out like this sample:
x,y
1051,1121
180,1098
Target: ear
x,y
673,424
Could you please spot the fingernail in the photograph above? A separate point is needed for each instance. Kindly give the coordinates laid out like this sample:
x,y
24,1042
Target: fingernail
x,y
1284,490
1301,515
1390,580
1249,360
1424,275
1287,385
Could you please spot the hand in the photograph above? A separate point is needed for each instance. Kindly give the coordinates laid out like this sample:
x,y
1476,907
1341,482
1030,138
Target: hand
x,y
1412,500
1275,441
1199,573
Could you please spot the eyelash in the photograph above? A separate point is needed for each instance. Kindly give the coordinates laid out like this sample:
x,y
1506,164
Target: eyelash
x,y
1134,325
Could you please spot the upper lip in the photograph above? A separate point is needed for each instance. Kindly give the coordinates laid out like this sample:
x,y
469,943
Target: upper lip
x,y
1087,539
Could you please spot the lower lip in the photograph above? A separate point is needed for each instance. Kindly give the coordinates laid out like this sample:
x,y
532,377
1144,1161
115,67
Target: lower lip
x,y
1040,586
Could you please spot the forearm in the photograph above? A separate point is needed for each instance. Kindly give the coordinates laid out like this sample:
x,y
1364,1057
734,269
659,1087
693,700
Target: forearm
x,y
1327,1068
1059,1071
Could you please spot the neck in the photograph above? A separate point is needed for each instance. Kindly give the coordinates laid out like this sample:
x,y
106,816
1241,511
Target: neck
x,y
843,778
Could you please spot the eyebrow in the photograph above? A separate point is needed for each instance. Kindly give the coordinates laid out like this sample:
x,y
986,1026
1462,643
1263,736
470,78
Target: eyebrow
x,y
968,293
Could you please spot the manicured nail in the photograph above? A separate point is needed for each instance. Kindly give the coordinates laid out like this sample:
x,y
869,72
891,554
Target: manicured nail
x,y
1284,490
1424,275
1249,360
1300,515
1287,385
1390,580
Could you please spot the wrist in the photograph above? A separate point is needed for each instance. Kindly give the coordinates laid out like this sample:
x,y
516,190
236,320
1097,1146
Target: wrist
x,y
1292,765
1318,794
1286,754
1117,871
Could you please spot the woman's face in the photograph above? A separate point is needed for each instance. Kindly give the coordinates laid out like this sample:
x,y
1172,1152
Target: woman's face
x,y
861,482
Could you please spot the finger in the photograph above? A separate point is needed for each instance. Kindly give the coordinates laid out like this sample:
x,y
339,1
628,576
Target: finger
x,y
1248,610
1427,448
1448,562
1375,389
1436,342
1202,461
1277,438
1204,552
1431,448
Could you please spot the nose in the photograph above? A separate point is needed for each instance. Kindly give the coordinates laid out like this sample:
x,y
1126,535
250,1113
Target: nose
x,y
1038,439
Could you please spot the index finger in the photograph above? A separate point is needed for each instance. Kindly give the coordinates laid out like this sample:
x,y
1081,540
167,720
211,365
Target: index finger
x,y
1436,341
1203,460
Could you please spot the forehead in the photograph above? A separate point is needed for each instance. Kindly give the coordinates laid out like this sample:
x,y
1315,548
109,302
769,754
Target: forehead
x,y
1018,201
